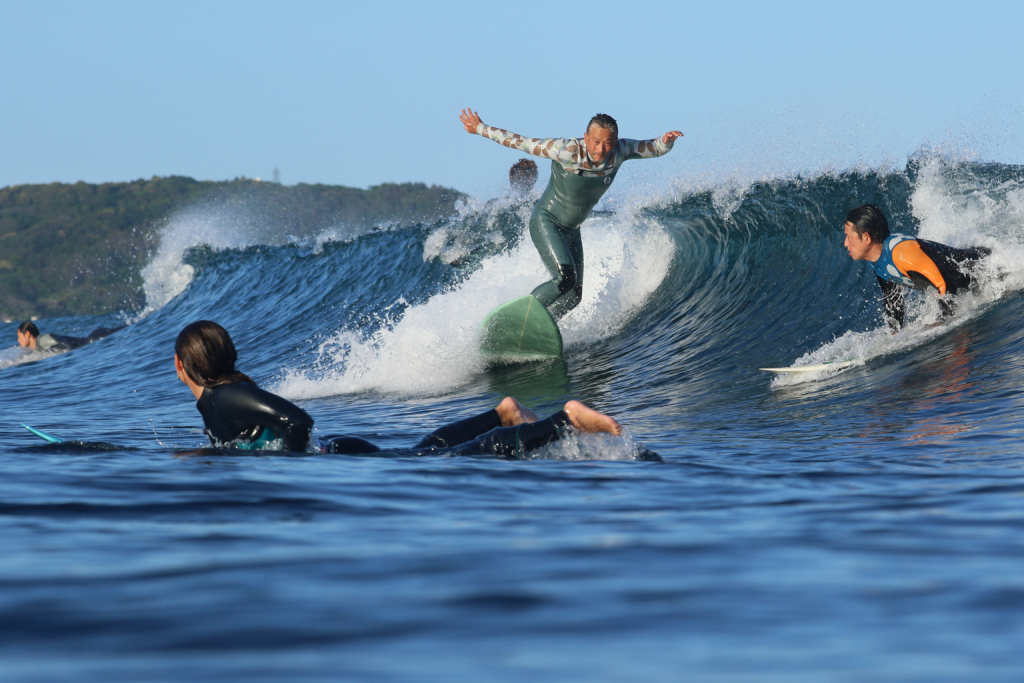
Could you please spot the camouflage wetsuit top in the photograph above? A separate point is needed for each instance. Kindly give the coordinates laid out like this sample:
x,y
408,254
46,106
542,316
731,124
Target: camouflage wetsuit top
x,y
576,186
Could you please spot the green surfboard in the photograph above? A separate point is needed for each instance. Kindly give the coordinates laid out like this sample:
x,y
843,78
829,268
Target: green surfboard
x,y
520,329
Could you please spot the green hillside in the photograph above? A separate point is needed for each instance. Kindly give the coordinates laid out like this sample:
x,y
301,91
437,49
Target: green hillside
x,y
78,249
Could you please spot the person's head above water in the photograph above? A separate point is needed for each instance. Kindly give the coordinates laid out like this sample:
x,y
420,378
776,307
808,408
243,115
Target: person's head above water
x,y
205,354
27,334
865,229
601,137
523,175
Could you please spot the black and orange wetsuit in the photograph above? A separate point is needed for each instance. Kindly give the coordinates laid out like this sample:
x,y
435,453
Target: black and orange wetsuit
x,y
922,264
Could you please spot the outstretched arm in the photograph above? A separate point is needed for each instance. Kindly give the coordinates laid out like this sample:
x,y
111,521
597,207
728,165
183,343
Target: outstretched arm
x,y
648,149
560,149
471,120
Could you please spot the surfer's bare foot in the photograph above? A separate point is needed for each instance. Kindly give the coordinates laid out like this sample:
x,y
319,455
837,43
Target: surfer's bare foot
x,y
589,420
513,413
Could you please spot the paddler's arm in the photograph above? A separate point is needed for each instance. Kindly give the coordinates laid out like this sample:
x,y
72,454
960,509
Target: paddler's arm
x,y
892,303
909,258
648,149
559,149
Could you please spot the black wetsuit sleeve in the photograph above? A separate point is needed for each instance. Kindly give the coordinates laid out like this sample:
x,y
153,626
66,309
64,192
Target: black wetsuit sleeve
x,y
954,264
892,302
243,404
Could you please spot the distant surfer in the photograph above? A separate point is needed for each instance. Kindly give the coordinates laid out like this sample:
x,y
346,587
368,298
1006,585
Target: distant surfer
x,y
523,176
29,337
581,172
900,260
236,411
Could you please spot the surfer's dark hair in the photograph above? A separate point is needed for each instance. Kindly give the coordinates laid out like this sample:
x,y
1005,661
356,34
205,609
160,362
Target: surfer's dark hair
x,y
604,121
523,175
868,218
30,327
208,354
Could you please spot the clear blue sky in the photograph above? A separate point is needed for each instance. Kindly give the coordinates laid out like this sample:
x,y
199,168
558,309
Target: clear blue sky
x,y
363,93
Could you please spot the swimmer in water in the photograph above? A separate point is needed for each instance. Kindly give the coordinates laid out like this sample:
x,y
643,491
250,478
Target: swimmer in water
x,y
900,261
581,172
523,176
29,338
236,411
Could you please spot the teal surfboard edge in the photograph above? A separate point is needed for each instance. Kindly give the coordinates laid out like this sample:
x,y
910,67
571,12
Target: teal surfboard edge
x,y
49,438
520,329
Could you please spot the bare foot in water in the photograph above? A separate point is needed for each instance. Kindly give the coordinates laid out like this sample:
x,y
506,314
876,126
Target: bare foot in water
x,y
513,413
589,420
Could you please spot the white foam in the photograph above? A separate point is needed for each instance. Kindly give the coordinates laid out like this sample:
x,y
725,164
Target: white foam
x,y
219,225
16,355
166,275
579,446
432,347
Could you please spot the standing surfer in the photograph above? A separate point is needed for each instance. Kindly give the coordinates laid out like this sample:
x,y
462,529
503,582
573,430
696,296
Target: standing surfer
x,y
581,172
899,260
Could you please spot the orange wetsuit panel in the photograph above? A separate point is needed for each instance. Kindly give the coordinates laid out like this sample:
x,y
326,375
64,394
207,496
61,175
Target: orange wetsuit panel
x,y
907,256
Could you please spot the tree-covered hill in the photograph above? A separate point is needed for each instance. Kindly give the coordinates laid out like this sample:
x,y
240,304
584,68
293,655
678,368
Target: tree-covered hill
x,y
79,249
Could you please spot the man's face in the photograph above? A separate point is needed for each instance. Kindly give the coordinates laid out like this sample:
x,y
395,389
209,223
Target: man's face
x,y
858,245
25,339
600,142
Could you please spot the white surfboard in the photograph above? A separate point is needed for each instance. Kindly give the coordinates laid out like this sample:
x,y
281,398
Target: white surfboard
x,y
831,365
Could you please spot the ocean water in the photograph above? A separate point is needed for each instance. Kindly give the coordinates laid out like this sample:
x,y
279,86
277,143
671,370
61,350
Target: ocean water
x,y
854,525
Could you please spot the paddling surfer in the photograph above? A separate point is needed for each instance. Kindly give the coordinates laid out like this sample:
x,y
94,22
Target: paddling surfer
x,y
901,261
29,338
236,411
581,172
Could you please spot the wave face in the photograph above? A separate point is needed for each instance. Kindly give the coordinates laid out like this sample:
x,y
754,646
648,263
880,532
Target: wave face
x,y
801,522
702,285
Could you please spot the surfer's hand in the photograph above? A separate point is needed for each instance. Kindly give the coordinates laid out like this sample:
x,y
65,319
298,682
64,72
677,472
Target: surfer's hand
x,y
670,137
470,119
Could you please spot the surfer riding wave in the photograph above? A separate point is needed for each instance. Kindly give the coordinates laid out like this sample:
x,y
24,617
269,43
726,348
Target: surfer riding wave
x,y
581,172
901,261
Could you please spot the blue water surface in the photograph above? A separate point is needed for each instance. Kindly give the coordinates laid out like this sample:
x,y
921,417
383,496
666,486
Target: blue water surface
x,y
866,524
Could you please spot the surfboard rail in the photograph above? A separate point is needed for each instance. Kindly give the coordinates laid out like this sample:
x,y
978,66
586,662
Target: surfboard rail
x,y
830,365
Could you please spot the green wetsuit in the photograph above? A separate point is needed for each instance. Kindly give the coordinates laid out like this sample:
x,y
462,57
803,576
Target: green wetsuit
x,y
576,186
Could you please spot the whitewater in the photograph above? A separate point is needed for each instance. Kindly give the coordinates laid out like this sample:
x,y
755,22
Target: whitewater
x,y
848,525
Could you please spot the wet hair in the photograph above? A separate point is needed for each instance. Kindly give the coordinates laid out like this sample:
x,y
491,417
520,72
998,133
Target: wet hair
x,y
604,121
523,175
208,354
869,219
30,327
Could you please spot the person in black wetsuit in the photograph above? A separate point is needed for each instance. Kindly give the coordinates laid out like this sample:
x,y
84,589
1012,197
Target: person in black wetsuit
x,y
29,337
236,411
